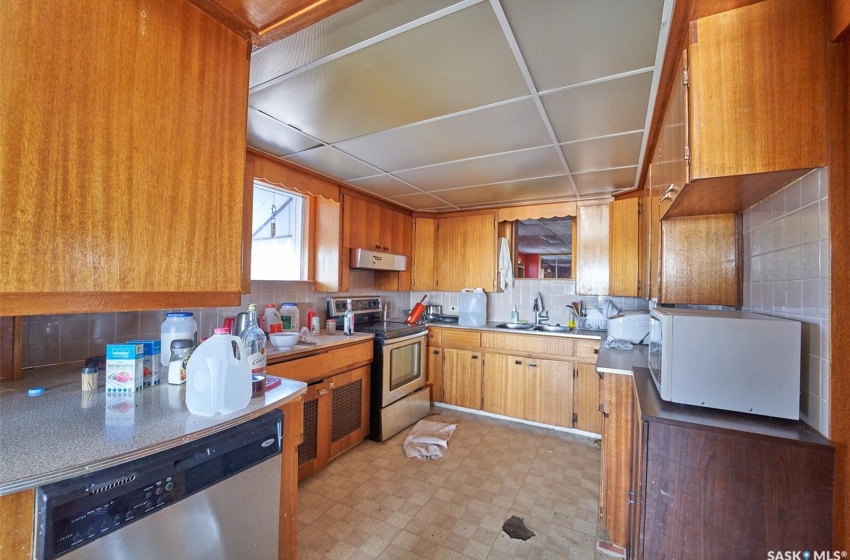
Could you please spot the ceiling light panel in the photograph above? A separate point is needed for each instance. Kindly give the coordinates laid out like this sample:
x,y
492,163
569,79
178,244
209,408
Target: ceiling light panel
x,y
383,185
503,128
566,42
599,109
452,64
535,162
603,153
597,182
358,23
274,137
509,192
332,163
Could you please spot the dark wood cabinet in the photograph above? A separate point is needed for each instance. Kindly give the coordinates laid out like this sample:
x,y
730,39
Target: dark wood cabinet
x,y
715,484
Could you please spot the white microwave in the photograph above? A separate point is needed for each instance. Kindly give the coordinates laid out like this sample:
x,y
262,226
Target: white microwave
x,y
729,360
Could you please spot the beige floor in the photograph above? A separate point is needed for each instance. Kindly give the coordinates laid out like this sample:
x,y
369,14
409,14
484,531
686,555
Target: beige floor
x,y
373,502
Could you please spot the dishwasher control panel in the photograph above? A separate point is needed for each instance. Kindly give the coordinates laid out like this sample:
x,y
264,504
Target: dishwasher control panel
x,y
72,513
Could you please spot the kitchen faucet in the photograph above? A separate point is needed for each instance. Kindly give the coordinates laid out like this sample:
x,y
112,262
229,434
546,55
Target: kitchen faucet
x,y
540,314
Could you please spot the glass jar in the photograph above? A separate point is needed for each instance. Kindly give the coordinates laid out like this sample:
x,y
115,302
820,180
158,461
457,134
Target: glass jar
x,y
181,349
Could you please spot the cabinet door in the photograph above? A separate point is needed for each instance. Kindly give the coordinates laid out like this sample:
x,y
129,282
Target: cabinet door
x,y
349,404
127,194
314,451
462,378
701,260
623,248
466,253
588,417
636,484
592,249
549,392
504,385
617,398
424,244
435,373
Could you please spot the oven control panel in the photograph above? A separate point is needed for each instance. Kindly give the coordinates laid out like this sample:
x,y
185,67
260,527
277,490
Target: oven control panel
x,y
337,306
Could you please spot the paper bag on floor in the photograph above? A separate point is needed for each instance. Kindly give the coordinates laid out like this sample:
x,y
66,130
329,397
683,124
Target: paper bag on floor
x,y
428,440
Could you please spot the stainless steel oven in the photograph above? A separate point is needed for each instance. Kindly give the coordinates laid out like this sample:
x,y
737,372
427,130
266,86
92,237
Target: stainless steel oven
x,y
398,395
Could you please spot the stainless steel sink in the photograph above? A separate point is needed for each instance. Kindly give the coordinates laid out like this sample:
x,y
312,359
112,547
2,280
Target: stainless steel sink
x,y
551,328
516,326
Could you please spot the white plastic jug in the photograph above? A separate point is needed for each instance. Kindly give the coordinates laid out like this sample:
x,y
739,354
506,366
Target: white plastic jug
x,y
472,308
218,377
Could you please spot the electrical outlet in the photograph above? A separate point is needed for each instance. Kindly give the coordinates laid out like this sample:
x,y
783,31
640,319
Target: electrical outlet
x,y
453,309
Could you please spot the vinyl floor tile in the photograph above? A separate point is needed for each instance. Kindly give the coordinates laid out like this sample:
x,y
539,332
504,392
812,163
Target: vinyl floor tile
x,y
374,503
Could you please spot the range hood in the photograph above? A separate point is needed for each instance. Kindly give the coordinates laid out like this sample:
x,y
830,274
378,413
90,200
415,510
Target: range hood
x,y
373,260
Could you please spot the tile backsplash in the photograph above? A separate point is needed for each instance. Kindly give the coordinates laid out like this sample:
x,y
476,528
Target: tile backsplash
x,y
786,274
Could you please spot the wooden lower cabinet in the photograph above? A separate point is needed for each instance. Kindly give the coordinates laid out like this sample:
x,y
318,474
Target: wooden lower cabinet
x,y
717,484
336,418
434,373
586,414
614,492
549,394
462,370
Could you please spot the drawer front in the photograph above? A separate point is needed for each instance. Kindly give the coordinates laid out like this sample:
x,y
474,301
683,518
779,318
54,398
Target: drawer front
x,y
587,349
458,337
529,344
319,366
434,336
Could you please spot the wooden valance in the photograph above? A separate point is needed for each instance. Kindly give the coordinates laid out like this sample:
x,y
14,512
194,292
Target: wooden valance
x,y
289,176
537,211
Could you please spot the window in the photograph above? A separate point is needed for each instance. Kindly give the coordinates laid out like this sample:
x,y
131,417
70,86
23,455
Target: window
x,y
277,248
544,248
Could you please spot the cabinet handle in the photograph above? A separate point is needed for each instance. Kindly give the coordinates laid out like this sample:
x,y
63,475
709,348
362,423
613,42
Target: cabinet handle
x,y
475,357
323,392
532,364
436,352
518,362
596,350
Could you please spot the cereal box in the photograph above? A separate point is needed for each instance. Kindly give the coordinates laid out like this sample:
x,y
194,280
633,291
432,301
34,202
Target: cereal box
x,y
124,367
152,364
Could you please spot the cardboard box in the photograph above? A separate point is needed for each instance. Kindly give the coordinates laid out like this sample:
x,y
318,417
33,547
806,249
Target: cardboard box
x,y
152,368
124,368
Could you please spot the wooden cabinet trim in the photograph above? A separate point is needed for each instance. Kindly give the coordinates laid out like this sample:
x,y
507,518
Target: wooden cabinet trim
x,y
317,367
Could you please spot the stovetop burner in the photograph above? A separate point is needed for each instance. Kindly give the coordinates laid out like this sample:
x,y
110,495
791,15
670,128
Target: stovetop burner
x,y
367,318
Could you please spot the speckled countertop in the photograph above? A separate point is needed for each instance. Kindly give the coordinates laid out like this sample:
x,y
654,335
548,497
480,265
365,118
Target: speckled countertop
x,y
65,432
491,326
613,360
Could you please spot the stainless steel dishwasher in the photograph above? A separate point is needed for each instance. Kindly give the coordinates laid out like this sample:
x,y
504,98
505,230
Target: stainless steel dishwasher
x,y
214,498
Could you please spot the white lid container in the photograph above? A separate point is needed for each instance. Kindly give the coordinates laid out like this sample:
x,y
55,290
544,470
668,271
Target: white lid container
x,y
289,315
472,307
218,377
177,325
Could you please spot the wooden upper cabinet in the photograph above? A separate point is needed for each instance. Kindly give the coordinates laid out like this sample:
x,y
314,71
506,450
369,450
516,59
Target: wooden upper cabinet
x,y
424,243
623,247
592,249
756,104
701,260
122,166
466,253
372,226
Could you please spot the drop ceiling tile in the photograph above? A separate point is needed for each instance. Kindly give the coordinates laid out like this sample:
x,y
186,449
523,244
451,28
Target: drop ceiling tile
x,y
360,22
599,109
422,201
605,181
504,128
510,192
331,162
452,64
603,153
274,137
383,185
525,164
566,42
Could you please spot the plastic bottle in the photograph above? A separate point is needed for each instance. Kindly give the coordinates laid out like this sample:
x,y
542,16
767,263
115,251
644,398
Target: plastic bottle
x,y
273,324
472,308
313,321
515,315
177,325
348,319
254,344
218,378
289,316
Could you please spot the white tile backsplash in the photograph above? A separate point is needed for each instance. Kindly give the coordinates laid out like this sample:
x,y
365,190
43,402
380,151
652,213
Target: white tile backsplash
x,y
786,274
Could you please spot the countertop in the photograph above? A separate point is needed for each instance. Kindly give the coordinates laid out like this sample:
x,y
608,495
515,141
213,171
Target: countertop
x,y
65,432
621,362
491,326
324,342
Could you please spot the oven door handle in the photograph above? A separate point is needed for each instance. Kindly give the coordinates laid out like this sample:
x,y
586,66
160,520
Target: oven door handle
x,y
399,340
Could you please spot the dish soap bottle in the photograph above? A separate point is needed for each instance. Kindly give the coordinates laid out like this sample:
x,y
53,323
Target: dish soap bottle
x,y
515,315
254,343
348,319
